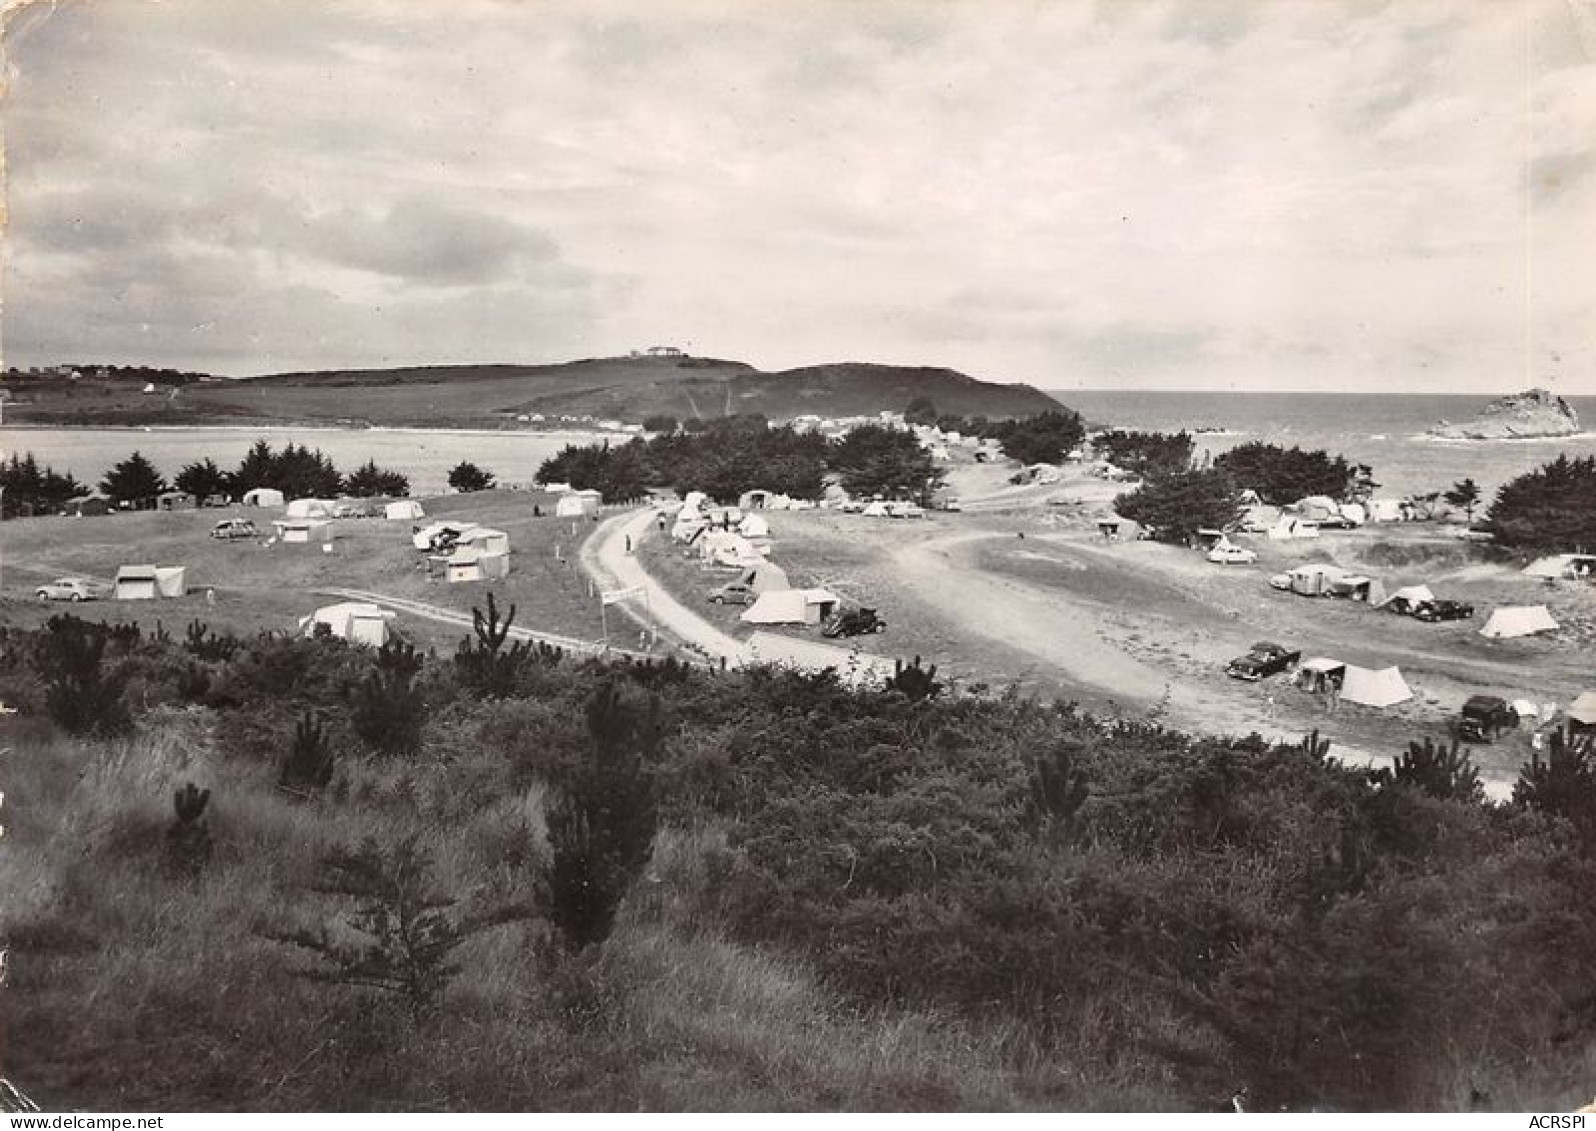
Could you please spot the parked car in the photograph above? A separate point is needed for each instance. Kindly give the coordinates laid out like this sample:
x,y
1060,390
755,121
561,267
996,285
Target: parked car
x,y
1265,659
905,510
230,528
1442,610
853,622
68,589
732,593
1281,581
1336,522
1232,555
1485,717
850,506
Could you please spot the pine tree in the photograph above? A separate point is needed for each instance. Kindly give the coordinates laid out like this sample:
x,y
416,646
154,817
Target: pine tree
x,y
133,482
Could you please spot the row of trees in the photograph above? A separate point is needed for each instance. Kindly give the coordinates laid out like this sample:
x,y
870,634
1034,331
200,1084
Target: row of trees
x,y
295,470
738,454
1043,438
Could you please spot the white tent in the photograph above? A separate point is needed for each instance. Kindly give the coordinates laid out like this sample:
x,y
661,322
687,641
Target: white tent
x,y
754,526
1583,709
263,497
1384,510
1354,513
303,529
484,540
791,606
1518,620
694,502
1527,708
170,581
403,510
1317,673
577,504
1317,507
312,508
876,510
1412,594
765,576
472,565
136,583
1289,527
754,500
354,621
1384,687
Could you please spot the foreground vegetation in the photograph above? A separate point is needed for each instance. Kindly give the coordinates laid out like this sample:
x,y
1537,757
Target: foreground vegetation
x,y
503,878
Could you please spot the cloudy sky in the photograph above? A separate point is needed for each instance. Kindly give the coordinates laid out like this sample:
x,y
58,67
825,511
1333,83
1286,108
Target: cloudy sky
x,y
1245,194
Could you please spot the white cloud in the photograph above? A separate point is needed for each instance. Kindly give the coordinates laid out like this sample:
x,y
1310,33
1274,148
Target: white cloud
x,y
1162,192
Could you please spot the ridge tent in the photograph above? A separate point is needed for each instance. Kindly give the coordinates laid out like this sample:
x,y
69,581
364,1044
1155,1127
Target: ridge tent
x,y
354,621
484,540
403,509
475,565
765,577
136,583
1384,510
1508,621
791,606
1383,687
1583,709
263,497
312,508
755,500
170,581
1319,674
303,529
1409,595
876,510
576,504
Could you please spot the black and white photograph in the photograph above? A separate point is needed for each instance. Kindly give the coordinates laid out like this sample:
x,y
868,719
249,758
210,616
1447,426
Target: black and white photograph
x,y
808,556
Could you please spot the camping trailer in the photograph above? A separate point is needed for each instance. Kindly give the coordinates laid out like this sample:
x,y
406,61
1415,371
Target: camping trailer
x,y
263,497
303,530
176,501
475,565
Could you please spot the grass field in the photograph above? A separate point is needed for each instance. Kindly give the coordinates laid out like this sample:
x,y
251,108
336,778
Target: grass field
x,y
259,586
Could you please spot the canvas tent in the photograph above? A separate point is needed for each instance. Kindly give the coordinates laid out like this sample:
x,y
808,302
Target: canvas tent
x,y
171,581
88,505
312,508
1319,674
1359,588
754,526
1518,620
354,621
876,510
1316,508
403,510
1410,595
297,530
1290,526
1383,687
474,565
1582,710
576,504
1384,510
136,583
484,540
755,500
764,577
791,606
263,497
725,547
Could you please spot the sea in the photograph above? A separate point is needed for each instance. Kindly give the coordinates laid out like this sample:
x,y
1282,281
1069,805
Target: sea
x,y
1387,432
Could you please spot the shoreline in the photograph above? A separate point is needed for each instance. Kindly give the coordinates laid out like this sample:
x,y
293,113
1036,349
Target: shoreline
x,y
383,429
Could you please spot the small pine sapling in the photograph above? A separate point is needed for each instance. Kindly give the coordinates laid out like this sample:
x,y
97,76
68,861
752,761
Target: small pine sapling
x,y
308,765
188,838
915,682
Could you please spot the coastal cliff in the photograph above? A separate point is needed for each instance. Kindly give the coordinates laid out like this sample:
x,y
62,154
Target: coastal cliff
x,y
1518,416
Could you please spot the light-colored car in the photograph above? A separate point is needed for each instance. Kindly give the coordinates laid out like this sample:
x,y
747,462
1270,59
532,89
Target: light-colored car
x,y
231,528
68,589
1232,555
1281,581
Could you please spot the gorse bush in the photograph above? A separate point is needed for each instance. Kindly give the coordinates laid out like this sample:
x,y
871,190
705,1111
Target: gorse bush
x,y
82,695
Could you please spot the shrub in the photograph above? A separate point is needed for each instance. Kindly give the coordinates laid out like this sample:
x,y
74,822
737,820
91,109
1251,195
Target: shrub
x,y
466,477
81,696
188,838
388,713
308,765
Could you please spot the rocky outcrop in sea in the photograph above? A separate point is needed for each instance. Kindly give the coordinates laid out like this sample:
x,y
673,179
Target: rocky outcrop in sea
x,y
1519,416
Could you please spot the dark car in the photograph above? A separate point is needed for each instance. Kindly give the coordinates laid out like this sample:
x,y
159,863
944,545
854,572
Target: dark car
x,y
733,593
1433,611
1265,659
1485,717
853,622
